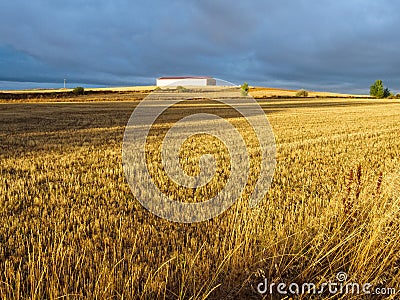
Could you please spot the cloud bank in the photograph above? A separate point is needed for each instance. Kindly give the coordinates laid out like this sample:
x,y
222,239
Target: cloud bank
x,y
341,45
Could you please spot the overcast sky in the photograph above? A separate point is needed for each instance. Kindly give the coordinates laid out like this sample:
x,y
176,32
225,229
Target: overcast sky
x,y
341,45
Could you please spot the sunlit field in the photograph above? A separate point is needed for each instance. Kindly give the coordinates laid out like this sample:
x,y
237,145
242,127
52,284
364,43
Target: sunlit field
x,y
72,229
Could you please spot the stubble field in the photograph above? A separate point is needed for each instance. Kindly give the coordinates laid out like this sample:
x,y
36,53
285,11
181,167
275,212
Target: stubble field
x,y
71,228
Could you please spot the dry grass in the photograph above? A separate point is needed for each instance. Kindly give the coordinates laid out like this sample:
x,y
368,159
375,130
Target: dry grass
x,y
71,228
262,92
256,92
48,97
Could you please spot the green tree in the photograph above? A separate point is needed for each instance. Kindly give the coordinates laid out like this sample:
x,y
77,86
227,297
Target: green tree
x,y
302,93
387,93
377,90
78,90
245,88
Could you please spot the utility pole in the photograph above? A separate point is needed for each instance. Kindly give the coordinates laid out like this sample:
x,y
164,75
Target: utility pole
x,y
65,80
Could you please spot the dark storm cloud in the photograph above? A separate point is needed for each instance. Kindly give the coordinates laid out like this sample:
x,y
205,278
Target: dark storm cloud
x,y
337,45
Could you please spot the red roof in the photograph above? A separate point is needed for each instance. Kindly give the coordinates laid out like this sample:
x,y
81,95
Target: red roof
x,y
186,77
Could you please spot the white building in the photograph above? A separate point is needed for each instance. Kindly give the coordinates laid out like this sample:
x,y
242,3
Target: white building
x,y
186,81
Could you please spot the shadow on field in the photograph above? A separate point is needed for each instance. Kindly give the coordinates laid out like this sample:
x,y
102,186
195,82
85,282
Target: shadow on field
x,y
283,104
35,126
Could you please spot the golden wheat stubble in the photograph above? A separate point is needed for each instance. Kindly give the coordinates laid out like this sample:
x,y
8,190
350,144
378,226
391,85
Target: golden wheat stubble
x,y
198,145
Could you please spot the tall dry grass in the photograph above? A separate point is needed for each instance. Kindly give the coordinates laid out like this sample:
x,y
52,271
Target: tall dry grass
x,y
71,229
